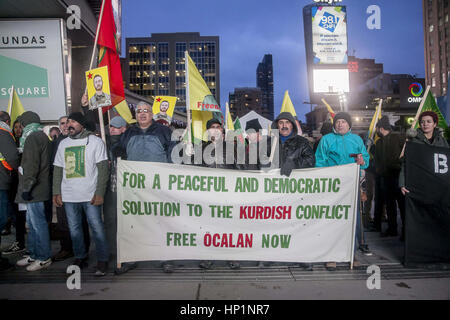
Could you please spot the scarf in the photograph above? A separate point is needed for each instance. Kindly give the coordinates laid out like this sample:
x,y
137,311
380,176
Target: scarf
x,y
29,129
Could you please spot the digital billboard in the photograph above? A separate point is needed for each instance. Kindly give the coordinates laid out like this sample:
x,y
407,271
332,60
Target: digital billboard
x,y
330,80
329,34
411,92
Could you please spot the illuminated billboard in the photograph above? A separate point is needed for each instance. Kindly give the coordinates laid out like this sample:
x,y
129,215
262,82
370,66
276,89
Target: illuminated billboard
x,y
330,80
411,92
329,34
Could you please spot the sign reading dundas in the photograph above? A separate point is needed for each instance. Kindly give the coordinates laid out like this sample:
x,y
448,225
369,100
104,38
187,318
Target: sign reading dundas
x,y
173,212
31,59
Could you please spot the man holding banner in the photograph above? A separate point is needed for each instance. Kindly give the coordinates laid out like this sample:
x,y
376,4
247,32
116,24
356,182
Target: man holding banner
x,y
342,147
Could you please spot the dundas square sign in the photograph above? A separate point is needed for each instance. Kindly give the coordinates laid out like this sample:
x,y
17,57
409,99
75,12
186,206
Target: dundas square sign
x,y
32,60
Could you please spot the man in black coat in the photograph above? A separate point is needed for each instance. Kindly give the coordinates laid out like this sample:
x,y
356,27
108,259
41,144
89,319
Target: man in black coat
x,y
294,150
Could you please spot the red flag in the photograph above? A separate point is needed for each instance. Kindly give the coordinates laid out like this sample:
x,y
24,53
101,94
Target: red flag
x,y
109,57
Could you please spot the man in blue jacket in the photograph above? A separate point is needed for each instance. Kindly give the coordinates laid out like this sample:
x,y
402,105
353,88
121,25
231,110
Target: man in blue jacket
x,y
342,147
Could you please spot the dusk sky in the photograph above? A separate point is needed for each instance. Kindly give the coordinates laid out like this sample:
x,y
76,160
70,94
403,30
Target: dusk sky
x,y
248,29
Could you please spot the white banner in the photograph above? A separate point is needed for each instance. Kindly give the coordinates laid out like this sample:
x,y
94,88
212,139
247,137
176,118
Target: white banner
x,y
176,212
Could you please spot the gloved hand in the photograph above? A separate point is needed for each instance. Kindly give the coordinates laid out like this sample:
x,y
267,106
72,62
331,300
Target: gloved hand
x,y
27,196
287,168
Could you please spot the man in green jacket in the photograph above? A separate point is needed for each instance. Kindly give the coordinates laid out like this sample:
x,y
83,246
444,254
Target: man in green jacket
x,y
34,190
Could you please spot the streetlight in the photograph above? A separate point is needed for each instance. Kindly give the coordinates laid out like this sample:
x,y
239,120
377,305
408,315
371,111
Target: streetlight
x,y
342,100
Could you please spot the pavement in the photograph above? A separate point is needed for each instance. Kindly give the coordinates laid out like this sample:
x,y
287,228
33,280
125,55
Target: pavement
x,y
275,281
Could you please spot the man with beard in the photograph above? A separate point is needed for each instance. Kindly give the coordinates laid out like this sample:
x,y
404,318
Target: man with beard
x,y
79,183
100,98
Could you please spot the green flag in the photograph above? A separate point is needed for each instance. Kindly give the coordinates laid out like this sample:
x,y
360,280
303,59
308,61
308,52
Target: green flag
x,y
238,130
430,105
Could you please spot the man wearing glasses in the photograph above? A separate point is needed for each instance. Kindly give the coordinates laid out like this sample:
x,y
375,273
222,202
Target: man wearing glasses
x,y
145,141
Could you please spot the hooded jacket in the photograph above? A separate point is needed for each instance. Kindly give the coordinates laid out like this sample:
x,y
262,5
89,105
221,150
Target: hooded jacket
x,y
9,156
387,153
295,152
34,174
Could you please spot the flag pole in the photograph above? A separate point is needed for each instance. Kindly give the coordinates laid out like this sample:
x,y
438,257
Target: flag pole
x,y
10,102
188,104
100,113
416,118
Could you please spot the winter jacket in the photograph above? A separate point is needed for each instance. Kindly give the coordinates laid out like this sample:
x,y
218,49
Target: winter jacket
x,y
9,156
335,149
254,149
387,154
34,171
417,136
220,161
295,152
153,144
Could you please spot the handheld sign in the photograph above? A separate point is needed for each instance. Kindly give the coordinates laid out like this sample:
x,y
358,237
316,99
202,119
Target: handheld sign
x,y
99,94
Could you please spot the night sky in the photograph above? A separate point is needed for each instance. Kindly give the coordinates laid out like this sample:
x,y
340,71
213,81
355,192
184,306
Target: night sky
x,y
248,29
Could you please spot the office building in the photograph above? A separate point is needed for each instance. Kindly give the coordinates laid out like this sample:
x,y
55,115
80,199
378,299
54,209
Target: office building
x,y
264,81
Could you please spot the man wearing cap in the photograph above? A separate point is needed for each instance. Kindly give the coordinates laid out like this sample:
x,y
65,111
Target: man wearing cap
x,y
9,161
257,146
388,166
215,151
342,147
79,183
34,189
294,150
146,140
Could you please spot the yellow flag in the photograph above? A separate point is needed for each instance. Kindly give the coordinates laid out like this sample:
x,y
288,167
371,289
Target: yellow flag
x,y
200,100
124,111
330,110
15,107
287,105
373,123
230,125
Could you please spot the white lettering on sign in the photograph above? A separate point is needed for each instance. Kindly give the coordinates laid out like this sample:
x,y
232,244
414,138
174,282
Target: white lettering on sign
x,y
414,99
440,163
327,1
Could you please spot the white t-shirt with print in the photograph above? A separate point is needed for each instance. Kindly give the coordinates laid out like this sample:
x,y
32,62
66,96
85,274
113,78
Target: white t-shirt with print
x,y
79,158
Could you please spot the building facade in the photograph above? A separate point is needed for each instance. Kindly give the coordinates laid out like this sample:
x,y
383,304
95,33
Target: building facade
x,y
437,44
156,65
264,81
244,100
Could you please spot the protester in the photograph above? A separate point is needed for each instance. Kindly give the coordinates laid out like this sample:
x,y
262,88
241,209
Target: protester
x,y
62,226
342,147
9,158
294,150
79,183
117,127
388,165
428,133
34,190
256,145
54,133
19,210
146,140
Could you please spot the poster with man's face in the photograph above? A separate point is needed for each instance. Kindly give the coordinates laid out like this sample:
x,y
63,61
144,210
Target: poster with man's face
x,y
97,81
163,107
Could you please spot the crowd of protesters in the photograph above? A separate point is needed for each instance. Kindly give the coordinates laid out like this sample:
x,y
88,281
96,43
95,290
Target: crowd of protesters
x,y
73,170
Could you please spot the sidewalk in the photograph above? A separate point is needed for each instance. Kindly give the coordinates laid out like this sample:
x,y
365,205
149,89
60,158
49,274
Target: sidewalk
x,y
275,282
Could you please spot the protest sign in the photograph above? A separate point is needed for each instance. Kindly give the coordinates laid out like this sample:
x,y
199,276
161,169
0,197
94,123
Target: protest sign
x,y
97,81
163,107
175,212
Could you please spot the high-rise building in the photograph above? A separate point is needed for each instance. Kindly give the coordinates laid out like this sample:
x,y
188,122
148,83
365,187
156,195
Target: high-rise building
x,y
156,65
264,81
244,100
437,44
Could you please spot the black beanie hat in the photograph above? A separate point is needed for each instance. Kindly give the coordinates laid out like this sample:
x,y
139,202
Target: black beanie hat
x,y
78,117
211,122
342,115
253,124
384,123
